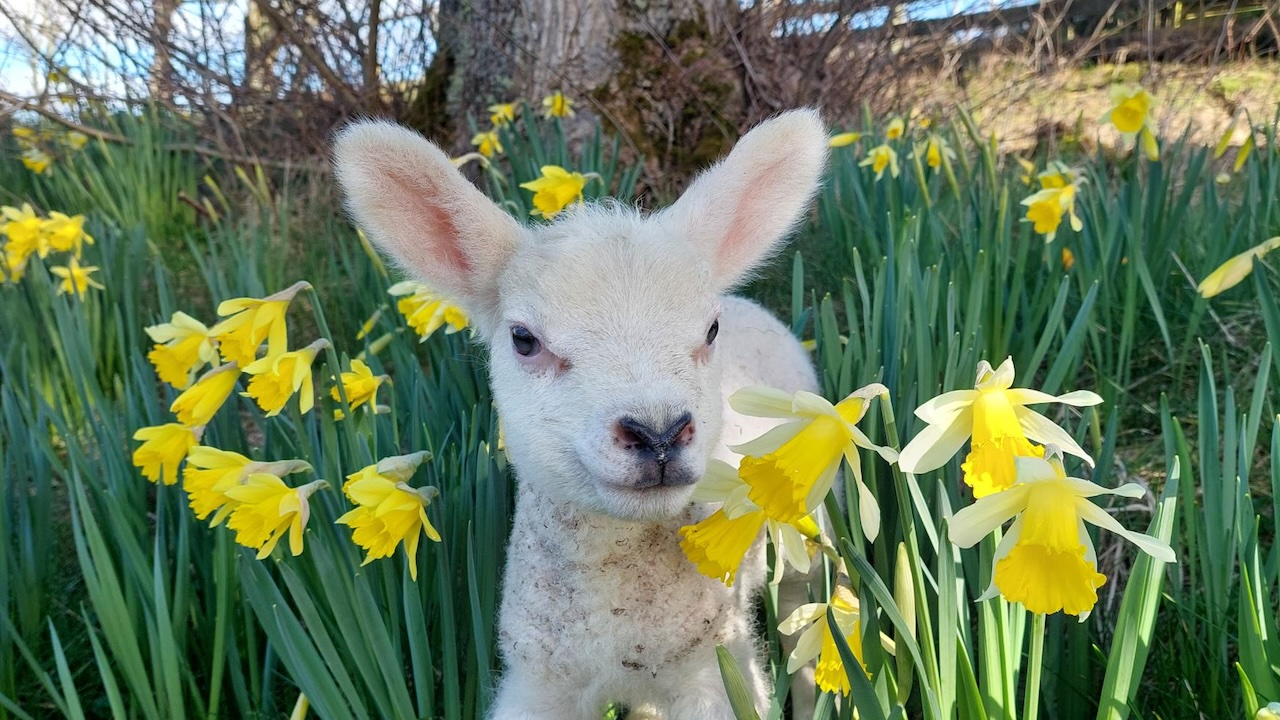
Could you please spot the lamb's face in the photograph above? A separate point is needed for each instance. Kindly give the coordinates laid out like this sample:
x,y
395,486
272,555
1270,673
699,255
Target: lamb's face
x,y
603,362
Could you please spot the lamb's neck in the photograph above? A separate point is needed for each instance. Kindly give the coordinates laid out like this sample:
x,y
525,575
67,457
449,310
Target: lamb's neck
x,y
584,536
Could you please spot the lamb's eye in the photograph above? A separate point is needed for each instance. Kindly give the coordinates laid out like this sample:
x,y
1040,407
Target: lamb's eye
x,y
524,342
713,331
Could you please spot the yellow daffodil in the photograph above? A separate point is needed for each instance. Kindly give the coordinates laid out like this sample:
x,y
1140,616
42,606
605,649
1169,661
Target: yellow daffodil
x,y
879,158
1242,154
1130,110
819,640
1224,142
1068,259
844,139
12,265
75,278
1056,175
557,105
936,151
26,232
370,324
163,449
425,310
996,416
1046,208
555,190
895,129
1150,147
924,123
252,320
66,233
277,377
211,472
183,346
502,114
1047,561
791,467
24,133
36,160
718,543
76,140
487,143
1230,273
1028,175
198,403
265,508
388,510
360,386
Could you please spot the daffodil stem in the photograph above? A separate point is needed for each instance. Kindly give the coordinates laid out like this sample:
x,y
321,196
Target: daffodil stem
x,y
924,618
1031,710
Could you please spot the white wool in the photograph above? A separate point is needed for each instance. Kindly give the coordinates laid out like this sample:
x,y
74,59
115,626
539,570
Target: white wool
x,y
599,602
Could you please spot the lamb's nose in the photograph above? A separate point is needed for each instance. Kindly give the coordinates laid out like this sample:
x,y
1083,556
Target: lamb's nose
x,y
632,434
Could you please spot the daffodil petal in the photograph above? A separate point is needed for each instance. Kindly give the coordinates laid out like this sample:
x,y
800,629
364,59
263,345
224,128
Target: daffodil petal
x,y
806,404
1078,398
1002,550
946,406
1154,547
936,444
770,441
980,519
1084,488
800,617
761,401
807,648
1043,430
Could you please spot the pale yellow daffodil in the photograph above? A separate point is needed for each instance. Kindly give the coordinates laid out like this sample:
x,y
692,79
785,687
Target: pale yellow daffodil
x,y
1232,272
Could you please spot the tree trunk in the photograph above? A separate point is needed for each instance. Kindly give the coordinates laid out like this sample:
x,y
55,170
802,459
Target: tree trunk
x,y
160,82
658,71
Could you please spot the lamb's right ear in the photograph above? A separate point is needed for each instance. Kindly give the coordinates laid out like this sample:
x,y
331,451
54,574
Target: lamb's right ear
x,y
412,202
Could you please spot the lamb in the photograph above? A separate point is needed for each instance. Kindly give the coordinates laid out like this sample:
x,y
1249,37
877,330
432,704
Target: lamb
x,y
612,348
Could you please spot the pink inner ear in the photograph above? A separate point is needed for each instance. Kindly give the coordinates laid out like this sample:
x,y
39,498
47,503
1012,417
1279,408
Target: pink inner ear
x,y
428,203
747,238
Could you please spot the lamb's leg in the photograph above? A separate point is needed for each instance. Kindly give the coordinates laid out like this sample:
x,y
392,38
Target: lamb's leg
x,y
527,696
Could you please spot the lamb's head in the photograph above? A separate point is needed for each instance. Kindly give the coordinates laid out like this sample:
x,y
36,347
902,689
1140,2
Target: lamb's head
x,y
601,326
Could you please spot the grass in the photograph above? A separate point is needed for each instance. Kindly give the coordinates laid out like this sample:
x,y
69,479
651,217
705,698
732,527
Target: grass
x,y
118,603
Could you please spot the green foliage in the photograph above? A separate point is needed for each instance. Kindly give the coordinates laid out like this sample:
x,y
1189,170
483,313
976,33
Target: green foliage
x,y
117,602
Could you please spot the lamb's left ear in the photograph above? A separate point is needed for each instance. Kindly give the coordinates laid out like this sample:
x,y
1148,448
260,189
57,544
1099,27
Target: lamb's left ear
x,y
741,210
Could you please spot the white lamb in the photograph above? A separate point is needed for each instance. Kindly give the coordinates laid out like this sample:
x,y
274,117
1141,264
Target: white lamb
x,y
612,348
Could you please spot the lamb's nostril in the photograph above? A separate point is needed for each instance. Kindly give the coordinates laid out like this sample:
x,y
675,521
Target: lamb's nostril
x,y
634,435
628,437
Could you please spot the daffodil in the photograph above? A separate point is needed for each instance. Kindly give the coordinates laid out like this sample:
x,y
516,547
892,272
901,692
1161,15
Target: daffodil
x,y
12,264
211,472
791,468
1224,142
66,233
1242,154
76,140
936,151
249,321
425,310
557,105
360,386
75,278
1057,175
879,158
183,346
388,510
277,377
1232,272
1150,147
555,190
163,449
995,415
1068,259
1028,175
1046,208
844,139
502,114
24,133
487,143
1130,110
895,129
26,232
718,543
370,324
198,403
36,160
265,508
819,640
1047,560
1270,712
